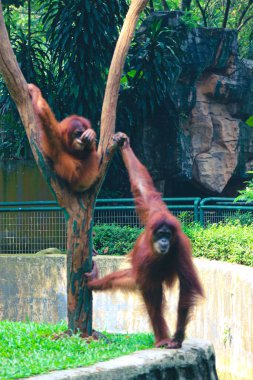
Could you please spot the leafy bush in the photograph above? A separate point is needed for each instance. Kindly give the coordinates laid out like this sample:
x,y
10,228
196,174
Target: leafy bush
x,y
111,240
246,195
231,242
239,217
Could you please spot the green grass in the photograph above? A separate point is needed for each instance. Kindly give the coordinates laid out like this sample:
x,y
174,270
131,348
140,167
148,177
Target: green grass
x,y
28,349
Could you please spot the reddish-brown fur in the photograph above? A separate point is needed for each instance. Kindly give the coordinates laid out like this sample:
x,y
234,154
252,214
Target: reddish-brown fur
x,y
149,270
79,167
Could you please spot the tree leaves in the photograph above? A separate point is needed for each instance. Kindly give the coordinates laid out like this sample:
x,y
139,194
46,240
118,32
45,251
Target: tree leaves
x,y
150,73
250,121
82,36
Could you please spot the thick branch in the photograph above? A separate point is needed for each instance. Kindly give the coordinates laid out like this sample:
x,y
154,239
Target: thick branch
x,y
108,116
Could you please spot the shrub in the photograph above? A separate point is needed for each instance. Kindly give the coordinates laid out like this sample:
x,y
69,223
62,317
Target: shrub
x,y
113,239
243,218
231,242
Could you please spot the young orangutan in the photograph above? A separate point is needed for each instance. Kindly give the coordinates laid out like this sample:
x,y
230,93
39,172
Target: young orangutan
x,y
69,144
161,254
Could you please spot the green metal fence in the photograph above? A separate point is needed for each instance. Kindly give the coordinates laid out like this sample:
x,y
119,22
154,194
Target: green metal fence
x,y
28,227
215,210
122,211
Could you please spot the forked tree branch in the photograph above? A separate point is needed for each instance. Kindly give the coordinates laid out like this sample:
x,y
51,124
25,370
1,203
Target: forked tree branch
x,y
108,116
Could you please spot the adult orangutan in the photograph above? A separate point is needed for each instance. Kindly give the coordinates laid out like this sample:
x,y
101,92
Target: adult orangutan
x,y
69,144
161,254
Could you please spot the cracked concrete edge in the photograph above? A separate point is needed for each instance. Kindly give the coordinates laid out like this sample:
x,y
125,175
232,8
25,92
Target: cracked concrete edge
x,y
140,363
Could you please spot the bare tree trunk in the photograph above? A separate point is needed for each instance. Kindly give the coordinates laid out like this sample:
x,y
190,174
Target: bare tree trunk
x,y
78,207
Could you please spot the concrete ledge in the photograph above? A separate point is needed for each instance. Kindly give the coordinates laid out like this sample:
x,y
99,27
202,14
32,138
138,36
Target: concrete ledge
x,y
195,360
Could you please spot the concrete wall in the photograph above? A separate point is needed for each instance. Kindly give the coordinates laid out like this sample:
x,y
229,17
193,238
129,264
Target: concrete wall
x,y
225,317
33,287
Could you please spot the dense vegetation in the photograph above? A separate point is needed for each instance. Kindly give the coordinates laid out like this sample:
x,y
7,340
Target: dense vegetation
x,y
231,242
28,348
66,47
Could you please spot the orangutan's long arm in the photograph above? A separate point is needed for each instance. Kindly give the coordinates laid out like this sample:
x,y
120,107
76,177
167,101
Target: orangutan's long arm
x,y
146,197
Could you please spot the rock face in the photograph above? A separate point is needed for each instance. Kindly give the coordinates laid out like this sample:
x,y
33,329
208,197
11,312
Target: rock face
x,y
214,134
200,136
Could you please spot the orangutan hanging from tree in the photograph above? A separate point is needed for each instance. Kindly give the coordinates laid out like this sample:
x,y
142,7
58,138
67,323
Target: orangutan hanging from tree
x,y
161,254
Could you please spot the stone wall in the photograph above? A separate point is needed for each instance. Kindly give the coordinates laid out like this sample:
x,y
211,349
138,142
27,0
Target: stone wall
x,y
34,287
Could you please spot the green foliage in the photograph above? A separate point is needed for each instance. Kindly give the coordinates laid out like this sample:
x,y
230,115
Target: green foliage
x,y
30,49
247,193
82,36
171,4
212,14
151,71
31,53
28,349
185,218
69,48
231,241
250,121
114,240
239,217
13,140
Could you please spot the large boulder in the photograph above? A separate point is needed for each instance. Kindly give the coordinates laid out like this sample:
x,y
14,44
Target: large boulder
x,y
199,136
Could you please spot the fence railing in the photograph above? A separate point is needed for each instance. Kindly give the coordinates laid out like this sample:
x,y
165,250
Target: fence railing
x,y
215,210
122,211
28,227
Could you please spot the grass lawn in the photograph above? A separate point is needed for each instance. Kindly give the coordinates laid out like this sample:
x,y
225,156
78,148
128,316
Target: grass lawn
x,y
28,348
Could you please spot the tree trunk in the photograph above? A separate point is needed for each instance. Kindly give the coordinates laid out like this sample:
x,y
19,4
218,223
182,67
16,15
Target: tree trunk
x,y
78,207
79,261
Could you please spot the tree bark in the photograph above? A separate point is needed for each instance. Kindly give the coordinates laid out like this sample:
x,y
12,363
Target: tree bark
x,y
78,207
